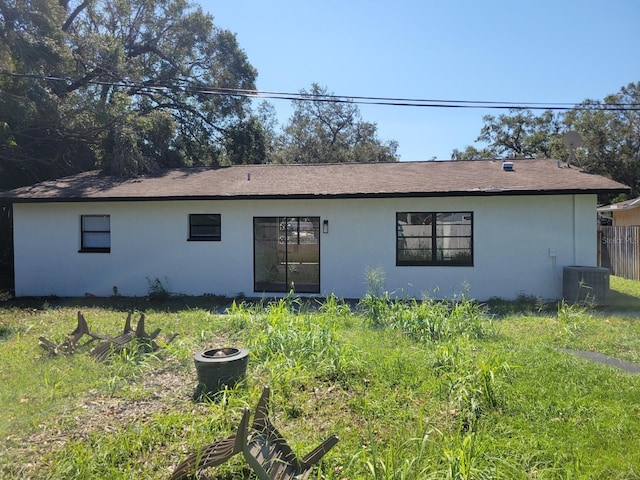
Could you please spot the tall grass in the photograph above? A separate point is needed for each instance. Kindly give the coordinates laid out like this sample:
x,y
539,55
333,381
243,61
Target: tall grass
x,y
426,320
469,384
291,343
403,460
436,321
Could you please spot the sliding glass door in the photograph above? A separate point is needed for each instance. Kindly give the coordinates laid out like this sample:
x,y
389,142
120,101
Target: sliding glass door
x,y
286,254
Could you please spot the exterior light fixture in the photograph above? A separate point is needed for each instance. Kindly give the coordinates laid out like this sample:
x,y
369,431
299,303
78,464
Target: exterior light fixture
x,y
325,226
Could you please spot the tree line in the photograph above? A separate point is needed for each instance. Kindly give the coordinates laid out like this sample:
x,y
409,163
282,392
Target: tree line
x,y
609,129
132,86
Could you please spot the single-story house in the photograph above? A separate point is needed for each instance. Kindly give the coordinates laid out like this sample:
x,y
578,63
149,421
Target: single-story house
x,y
437,228
622,214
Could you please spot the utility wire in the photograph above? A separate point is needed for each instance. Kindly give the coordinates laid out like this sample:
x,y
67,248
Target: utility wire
x,y
330,98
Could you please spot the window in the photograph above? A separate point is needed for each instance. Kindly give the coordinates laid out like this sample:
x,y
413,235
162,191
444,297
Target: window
x,y
430,238
95,233
205,227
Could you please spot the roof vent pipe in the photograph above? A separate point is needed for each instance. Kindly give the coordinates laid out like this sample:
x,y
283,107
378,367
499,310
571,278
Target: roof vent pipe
x,y
507,166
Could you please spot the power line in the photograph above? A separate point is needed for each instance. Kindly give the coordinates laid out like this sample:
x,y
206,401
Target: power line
x,y
331,98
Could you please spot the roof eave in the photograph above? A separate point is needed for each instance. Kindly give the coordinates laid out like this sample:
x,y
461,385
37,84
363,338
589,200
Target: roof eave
x,y
309,196
620,207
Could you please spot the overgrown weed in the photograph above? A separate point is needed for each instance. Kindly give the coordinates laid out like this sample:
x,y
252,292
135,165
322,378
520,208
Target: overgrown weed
x,y
470,385
426,320
402,460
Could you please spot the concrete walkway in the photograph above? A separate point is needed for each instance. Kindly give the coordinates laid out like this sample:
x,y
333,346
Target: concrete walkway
x,y
605,359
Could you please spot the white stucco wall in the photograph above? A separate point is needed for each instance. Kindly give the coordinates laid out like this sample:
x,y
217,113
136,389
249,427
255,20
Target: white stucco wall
x,y
512,241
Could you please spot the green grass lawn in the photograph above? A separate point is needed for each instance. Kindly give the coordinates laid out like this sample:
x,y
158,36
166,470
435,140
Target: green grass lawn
x,y
442,390
624,294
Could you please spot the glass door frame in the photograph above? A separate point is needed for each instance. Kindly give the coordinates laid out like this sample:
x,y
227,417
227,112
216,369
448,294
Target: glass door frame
x,y
286,254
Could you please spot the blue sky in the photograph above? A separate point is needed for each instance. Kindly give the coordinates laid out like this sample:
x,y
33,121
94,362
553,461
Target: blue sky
x,y
484,50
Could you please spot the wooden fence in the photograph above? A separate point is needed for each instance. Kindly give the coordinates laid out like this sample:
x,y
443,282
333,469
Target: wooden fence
x,y
619,250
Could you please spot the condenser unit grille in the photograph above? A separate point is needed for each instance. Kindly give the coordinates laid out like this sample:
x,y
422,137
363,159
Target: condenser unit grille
x,y
585,285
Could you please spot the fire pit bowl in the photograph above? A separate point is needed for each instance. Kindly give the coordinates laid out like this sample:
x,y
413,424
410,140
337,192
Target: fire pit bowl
x,y
219,367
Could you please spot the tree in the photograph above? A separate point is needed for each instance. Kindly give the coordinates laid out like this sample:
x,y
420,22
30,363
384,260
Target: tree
x,y
129,85
519,133
324,129
266,115
472,153
246,142
610,132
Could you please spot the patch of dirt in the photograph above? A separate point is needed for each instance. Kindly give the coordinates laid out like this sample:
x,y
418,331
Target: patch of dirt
x,y
165,391
158,392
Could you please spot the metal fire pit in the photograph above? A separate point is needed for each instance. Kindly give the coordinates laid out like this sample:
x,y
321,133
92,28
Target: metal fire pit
x,y
218,368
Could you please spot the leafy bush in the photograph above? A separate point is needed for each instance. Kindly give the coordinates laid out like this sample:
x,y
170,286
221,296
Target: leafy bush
x,y
157,291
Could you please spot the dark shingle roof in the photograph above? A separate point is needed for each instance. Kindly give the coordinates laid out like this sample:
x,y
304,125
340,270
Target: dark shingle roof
x,y
433,178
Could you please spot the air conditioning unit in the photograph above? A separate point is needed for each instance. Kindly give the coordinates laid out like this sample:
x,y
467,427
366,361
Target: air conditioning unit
x,y
585,285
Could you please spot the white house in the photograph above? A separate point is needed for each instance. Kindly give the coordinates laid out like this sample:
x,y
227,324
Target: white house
x,y
433,228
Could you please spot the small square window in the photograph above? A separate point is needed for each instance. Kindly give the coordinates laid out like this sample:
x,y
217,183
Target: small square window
x,y
95,233
205,227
